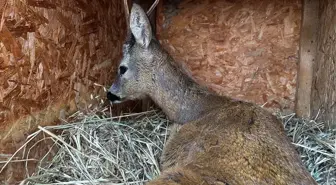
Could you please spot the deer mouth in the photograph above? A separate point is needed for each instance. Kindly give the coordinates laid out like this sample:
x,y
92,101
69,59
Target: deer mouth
x,y
114,98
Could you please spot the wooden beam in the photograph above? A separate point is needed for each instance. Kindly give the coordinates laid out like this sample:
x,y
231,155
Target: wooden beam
x,y
324,81
307,56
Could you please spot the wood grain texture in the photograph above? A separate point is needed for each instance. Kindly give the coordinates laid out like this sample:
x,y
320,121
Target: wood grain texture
x,y
308,44
244,49
324,79
53,56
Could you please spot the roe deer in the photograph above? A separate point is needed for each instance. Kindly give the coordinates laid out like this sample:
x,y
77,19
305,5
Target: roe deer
x,y
221,140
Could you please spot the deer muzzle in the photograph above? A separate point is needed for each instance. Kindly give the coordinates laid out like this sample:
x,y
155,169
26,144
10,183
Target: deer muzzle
x,y
113,98
113,94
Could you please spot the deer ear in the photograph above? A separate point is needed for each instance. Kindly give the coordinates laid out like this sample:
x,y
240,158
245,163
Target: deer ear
x,y
140,26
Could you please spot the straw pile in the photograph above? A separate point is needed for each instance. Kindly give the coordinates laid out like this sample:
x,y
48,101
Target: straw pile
x,y
317,147
126,149
100,148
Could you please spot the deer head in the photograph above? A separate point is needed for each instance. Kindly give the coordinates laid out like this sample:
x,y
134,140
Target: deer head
x,y
146,69
135,69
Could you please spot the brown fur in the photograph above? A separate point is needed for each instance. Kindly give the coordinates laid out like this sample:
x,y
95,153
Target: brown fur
x,y
237,143
221,140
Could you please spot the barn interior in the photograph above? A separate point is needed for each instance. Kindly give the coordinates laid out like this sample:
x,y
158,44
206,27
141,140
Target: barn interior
x,y
59,57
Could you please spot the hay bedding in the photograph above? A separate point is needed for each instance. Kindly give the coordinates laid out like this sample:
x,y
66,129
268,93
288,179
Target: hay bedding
x,y
317,146
100,149
97,148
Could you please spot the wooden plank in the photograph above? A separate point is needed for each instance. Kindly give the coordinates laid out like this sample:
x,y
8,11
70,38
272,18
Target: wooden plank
x,y
324,81
307,55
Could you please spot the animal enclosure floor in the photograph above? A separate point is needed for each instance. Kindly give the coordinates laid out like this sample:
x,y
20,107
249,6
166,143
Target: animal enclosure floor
x,y
97,147
244,49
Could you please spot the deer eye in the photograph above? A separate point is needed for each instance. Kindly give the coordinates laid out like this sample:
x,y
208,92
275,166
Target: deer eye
x,y
122,70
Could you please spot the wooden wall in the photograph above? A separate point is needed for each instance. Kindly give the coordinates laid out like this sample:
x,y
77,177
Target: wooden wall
x,y
307,55
55,58
324,76
316,93
243,49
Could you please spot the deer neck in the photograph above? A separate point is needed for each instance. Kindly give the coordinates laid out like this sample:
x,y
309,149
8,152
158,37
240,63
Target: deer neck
x,y
179,96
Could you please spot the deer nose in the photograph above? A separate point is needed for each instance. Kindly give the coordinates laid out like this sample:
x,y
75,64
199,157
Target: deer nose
x,y
112,97
112,94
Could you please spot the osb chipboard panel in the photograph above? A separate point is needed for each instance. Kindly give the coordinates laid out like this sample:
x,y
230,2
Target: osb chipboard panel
x,y
324,79
240,48
52,56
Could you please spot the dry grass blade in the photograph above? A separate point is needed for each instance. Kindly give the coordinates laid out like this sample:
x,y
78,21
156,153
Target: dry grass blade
x,y
316,145
150,10
23,146
126,9
99,149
